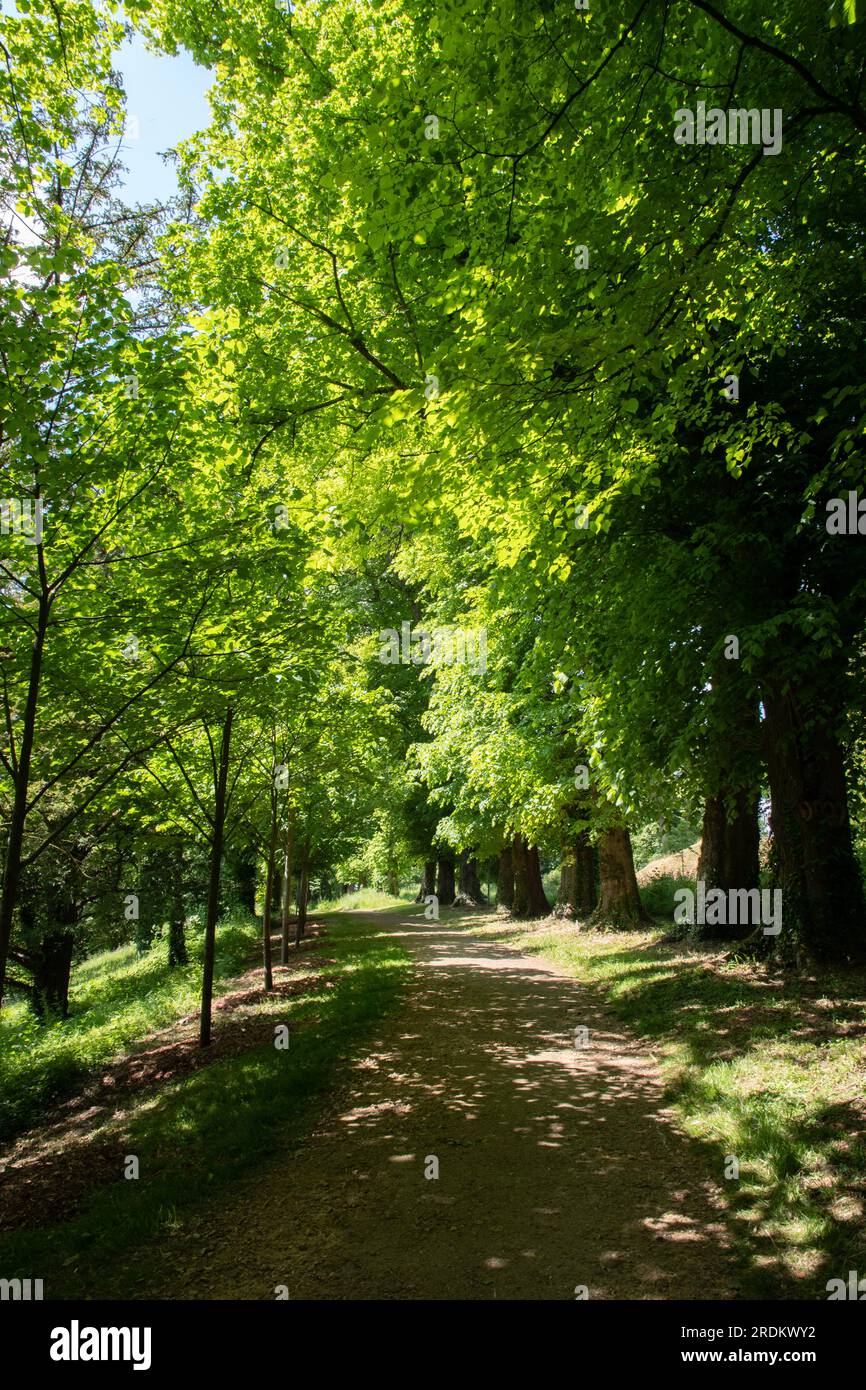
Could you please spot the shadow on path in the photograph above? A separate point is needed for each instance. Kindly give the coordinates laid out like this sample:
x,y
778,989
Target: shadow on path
x,y
558,1164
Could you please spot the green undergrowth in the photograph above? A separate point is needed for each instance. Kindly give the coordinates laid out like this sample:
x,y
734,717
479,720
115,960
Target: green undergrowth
x,y
115,997
195,1136
365,900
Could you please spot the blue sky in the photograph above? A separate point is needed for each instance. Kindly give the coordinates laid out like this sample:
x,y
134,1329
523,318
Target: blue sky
x,y
165,102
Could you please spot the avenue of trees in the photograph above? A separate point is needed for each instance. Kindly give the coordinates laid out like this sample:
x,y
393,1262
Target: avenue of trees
x,y
445,331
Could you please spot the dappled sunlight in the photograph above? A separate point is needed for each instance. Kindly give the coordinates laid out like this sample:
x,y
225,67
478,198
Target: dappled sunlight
x,y
737,1045
485,1078
504,1136
190,1111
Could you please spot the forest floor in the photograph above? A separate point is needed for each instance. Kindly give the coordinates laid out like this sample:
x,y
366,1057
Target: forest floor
x,y
558,1166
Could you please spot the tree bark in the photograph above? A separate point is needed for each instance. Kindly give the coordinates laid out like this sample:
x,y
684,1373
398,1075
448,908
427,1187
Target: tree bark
x,y
824,915
301,925
530,899
213,896
428,880
577,876
266,915
730,841
743,843
287,890
50,916
15,838
520,900
729,856
505,878
711,861
445,878
619,901
177,954
585,895
52,967
469,891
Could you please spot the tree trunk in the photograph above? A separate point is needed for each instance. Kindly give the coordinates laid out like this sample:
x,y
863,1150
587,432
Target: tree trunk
x,y
52,966
824,916
743,843
287,890
445,890
276,889
505,878
428,880
301,925
619,903
213,895
711,862
577,876
729,856
469,891
15,837
50,917
530,899
520,899
266,914
586,895
177,920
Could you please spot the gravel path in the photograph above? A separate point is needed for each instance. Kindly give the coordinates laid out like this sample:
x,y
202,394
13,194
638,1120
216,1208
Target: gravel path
x,y
558,1166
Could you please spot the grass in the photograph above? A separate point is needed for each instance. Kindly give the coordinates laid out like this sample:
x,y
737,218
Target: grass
x,y
550,883
196,1136
659,895
115,998
365,900
765,1067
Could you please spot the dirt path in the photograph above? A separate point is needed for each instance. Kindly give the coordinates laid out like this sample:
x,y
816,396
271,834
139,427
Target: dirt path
x,y
558,1166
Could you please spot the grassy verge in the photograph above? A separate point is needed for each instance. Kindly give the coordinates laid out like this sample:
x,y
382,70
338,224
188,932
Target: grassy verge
x,y
115,998
196,1136
764,1067
364,900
